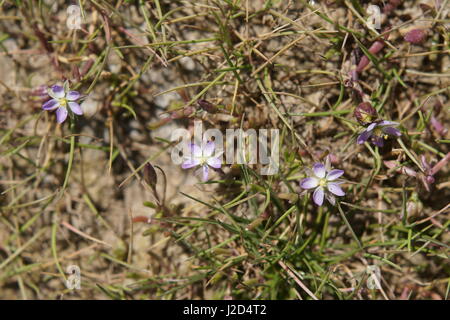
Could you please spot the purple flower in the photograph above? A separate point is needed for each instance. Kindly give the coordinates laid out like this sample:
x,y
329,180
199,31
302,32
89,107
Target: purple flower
x,y
61,98
202,156
377,132
324,182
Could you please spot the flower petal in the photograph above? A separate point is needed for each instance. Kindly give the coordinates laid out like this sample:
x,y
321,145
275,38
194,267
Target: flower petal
x,y
378,141
335,189
363,136
309,183
331,199
214,162
371,126
318,196
388,123
73,95
75,107
196,151
56,92
205,172
319,170
189,163
392,131
334,174
61,114
50,104
209,149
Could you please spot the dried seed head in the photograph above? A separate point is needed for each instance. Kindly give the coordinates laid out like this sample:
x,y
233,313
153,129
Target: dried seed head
x,y
365,113
415,36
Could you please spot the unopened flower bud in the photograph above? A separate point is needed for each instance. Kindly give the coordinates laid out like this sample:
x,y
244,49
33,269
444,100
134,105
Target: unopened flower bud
x,y
430,179
207,106
150,176
365,113
40,92
415,36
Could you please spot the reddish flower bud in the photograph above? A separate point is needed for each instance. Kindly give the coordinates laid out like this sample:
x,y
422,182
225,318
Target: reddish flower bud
x,y
430,179
415,36
150,176
207,106
365,113
40,92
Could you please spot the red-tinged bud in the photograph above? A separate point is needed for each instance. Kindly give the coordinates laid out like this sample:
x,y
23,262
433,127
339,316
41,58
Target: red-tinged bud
x,y
365,113
76,73
391,5
409,172
399,168
441,164
86,67
142,219
188,111
430,179
416,36
265,215
207,106
438,126
40,92
374,49
150,176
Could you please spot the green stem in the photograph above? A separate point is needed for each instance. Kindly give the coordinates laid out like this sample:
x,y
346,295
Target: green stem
x,y
53,244
71,155
348,225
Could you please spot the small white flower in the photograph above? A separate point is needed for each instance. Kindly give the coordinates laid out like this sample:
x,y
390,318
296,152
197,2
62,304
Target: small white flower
x,y
202,157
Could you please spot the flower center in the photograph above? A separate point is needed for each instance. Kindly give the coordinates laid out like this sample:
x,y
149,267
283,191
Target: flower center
x,y
323,182
379,133
365,117
202,160
63,102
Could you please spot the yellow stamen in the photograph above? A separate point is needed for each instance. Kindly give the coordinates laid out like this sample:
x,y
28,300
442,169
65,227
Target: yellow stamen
x,y
202,160
377,131
63,102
